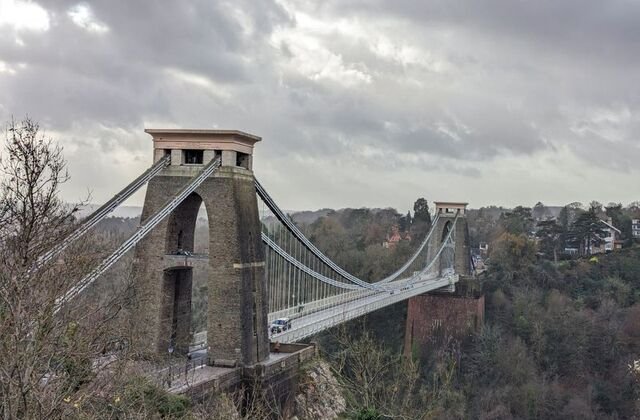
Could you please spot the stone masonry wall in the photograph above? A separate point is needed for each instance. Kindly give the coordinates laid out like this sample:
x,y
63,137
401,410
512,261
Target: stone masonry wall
x,y
237,310
430,315
237,317
461,235
463,251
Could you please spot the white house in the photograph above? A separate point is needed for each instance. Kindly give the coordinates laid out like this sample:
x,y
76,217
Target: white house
x,y
635,228
611,238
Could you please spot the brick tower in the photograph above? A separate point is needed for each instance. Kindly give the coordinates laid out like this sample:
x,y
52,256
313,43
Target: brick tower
x,y
163,267
456,311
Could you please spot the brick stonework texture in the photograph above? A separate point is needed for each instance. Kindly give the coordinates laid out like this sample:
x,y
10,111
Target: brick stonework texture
x,y
428,315
461,238
237,312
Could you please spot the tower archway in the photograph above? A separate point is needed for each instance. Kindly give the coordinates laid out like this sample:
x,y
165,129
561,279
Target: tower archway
x,y
179,296
176,310
200,298
447,256
445,231
181,226
168,259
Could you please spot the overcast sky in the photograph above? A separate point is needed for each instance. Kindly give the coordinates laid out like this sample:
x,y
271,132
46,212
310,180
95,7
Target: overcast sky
x,y
359,102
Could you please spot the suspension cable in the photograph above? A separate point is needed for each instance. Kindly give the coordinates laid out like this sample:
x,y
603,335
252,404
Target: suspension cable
x,y
293,261
442,247
285,220
142,231
94,218
371,286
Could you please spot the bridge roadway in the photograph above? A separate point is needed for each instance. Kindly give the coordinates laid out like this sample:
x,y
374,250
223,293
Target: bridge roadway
x,y
337,309
196,373
313,323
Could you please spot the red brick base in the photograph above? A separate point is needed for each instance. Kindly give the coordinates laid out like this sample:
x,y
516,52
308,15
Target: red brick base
x,y
451,315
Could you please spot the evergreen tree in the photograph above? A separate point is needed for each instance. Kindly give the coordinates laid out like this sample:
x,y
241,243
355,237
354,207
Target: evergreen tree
x,y
404,223
421,211
620,220
587,231
567,216
539,211
550,235
517,222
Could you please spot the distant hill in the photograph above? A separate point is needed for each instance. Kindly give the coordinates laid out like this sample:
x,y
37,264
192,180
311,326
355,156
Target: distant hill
x,y
303,217
307,217
539,213
546,212
122,211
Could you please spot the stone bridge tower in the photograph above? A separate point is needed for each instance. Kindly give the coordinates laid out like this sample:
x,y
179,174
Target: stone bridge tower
x,y
447,212
163,267
432,316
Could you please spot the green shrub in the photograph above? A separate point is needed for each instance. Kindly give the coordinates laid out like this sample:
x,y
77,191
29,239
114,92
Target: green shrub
x,y
368,413
140,392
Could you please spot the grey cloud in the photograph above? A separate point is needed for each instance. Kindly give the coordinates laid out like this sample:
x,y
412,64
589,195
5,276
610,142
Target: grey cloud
x,y
372,120
118,76
517,81
598,28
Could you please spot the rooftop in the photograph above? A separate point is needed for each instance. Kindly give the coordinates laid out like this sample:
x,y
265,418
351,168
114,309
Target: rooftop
x,y
172,133
450,203
195,139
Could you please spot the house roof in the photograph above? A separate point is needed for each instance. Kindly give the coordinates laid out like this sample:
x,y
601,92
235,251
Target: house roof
x,y
611,226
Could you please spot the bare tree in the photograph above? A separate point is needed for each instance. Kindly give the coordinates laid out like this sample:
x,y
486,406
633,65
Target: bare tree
x,y
45,358
31,215
373,378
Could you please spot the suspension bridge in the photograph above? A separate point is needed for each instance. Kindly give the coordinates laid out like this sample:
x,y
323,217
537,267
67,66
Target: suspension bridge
x,y
261,267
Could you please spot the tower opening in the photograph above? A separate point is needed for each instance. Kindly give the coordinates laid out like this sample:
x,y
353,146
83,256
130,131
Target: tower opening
x,y
176,311
242,160
445,231
446,257
193,157
199,302
182,225
185,287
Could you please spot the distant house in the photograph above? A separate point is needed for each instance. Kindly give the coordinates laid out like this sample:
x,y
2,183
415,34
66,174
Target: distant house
x,y
395,237
484,248
635,228
609,241
570,250
611,238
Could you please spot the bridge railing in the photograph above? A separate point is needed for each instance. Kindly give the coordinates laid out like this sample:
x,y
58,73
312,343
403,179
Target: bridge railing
x,y
307,308
179,372
316,323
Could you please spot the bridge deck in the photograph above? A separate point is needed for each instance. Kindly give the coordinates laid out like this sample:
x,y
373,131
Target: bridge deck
x,y
308,325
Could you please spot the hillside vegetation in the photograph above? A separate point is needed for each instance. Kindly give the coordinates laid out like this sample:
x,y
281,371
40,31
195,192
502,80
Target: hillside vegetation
x,y
559,340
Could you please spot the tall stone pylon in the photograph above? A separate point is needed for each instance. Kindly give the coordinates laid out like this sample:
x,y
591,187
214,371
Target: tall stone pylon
x,y
237,332
451,310
447,212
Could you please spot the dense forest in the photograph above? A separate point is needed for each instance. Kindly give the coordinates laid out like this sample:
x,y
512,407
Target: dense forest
x,y
559,341
559,337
